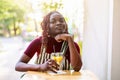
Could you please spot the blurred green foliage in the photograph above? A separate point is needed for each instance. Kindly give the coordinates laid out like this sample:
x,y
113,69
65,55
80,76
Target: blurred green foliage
x,y
80,45
10,15
51,6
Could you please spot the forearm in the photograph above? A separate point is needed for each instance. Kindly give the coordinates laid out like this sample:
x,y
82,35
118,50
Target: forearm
x,y
20,66
74,55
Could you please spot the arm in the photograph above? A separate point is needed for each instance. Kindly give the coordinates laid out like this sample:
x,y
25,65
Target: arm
x,y
22,64
75,57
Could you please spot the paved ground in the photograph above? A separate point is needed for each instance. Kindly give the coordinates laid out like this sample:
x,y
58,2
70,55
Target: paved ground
x,y
10,51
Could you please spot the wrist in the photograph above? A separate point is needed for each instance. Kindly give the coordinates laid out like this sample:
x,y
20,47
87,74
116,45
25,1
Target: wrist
x,y
69,39
38,67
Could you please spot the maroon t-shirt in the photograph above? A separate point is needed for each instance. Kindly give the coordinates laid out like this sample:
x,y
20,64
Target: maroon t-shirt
x,y
35,46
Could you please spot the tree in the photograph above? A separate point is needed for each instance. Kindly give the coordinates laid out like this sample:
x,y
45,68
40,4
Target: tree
x,y
10,15
43,7
50,6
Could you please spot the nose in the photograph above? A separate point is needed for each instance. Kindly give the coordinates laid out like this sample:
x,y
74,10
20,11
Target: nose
x,y
58,22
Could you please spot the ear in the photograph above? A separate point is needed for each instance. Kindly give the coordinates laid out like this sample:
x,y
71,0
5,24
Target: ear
x,y
66,28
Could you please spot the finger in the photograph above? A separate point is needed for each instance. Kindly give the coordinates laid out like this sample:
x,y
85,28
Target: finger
x,y
49,67
50,63
55,67
54,62
59,40
53,70
48,60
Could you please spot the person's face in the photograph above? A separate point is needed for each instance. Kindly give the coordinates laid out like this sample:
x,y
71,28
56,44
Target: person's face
x,y
57,24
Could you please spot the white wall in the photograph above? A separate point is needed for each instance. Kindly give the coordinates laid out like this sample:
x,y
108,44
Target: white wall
x,y
101,44
115,71
95,38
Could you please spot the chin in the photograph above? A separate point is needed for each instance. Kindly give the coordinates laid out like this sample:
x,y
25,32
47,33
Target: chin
x,y
59,32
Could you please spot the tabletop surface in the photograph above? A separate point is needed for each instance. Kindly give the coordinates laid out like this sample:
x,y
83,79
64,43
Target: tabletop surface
x,y
67,75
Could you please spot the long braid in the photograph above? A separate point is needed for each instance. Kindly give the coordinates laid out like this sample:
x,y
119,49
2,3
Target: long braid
x,y
45,28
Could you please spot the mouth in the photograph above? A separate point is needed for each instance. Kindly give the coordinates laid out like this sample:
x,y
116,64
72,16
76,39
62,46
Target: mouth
x,y
59,31
60,27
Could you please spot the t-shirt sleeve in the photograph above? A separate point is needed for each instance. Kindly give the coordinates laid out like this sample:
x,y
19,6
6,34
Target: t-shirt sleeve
x,y
77,47
33,47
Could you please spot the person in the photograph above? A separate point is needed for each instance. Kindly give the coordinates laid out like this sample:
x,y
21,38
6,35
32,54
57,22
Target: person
x,y
55,33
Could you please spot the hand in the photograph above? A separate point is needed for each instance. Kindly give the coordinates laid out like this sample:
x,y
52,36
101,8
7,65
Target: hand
x,y
49,65
65,37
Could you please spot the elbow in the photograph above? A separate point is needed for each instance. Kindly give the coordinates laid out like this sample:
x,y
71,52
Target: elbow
x,y
17,67
78,67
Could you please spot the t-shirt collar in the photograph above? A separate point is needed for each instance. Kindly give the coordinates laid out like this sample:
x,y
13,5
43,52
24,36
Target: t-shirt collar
x,y
52,40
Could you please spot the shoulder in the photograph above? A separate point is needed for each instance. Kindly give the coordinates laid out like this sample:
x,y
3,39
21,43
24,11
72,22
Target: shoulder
x,y
77,46
37,41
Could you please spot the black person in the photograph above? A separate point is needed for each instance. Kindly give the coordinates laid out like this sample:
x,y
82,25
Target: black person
x,y
55,32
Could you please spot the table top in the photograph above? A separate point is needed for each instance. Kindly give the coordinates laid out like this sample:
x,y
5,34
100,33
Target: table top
x,y
67,75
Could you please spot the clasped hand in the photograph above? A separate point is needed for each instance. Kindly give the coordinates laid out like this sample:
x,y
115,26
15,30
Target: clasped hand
x,y
63,37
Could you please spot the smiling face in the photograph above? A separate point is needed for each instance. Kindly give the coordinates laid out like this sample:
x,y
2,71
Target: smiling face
x,y
57,24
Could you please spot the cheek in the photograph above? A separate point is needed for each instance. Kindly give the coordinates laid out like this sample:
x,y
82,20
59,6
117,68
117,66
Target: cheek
x,y
51,28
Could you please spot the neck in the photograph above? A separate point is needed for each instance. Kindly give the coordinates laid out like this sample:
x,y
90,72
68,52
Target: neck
x,y
52,36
